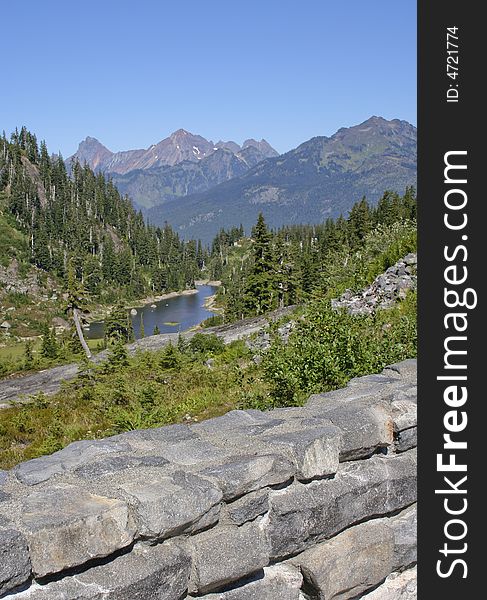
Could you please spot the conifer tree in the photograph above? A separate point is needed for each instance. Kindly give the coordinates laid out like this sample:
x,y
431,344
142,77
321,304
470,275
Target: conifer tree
x,y
49,348
28,355
76,305
118,356
260,295
118,325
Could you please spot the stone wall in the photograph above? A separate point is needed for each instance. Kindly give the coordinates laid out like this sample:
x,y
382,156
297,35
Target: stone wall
x,y
301,503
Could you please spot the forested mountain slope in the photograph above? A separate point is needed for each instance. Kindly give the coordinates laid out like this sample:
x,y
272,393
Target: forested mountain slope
x,y
321,178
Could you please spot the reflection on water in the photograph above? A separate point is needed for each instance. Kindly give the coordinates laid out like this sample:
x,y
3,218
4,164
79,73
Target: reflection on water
x,y
170,315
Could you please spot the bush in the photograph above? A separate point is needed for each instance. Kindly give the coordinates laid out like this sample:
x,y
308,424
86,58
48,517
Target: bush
x,y
202,343
328,348
213,321
171,358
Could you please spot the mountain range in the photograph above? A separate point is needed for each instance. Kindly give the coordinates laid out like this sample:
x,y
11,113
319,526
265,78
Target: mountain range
x,y
179,165
321,178
199,187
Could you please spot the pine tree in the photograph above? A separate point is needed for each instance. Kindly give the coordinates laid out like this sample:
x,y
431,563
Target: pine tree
x,y
170,358
49,348
118,356
142,328
75,306
118,325
260,296
156,331
28,355
359,222
182,344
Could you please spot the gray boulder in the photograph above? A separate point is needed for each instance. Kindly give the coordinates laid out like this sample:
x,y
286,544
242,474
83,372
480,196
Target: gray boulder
x,y
406,439
365,422
14,559
314,451
301,515
174,504
405,414
66,526
405,529
349,564
249,507
192,452
160,572
156,438
277,582
406,370
243,474
116,464
225,554
237,423
76,454
398,586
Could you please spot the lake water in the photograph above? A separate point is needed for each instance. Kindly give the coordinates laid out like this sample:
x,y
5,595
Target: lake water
x,y
171,315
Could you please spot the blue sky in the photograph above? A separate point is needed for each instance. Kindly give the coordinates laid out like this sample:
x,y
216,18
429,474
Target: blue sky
x,y
129,72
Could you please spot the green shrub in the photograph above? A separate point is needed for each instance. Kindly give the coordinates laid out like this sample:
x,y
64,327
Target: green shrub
x,y
202,343
213,321
329,347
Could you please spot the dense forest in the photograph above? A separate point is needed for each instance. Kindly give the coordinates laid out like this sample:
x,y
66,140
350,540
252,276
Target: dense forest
x,y
288,266
82,222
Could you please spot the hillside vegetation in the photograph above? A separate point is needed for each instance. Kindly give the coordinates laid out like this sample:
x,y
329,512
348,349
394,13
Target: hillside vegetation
x,y
72,236
83,222
204,378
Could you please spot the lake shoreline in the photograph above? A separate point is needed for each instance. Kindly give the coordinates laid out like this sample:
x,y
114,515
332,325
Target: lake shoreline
x,y
211,304
156,303
101,314
210,282
153,299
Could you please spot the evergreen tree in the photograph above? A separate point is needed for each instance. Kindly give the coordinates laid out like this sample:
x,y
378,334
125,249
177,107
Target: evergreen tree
x,y
118,356
171,357
28,355
359,222
259,295
84,220
49,348
182,344
75,307
118,324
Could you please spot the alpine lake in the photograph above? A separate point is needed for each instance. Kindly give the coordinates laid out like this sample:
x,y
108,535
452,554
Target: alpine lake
x,y
171,315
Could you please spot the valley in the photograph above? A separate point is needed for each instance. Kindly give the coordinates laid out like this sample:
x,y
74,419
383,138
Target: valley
x,y
76,250
199,187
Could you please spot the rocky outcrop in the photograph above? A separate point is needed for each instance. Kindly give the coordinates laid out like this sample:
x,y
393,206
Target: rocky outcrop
x,y
296,503
12,280
386,289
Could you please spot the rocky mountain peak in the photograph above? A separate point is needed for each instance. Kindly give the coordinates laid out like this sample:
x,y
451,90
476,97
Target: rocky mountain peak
x,y
179,146
179,133
263,146
92,152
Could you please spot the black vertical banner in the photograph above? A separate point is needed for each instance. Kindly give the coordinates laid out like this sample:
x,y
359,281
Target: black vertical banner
x,y
452,242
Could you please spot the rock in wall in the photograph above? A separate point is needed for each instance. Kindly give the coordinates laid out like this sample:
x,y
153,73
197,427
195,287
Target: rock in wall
x,y
300,503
